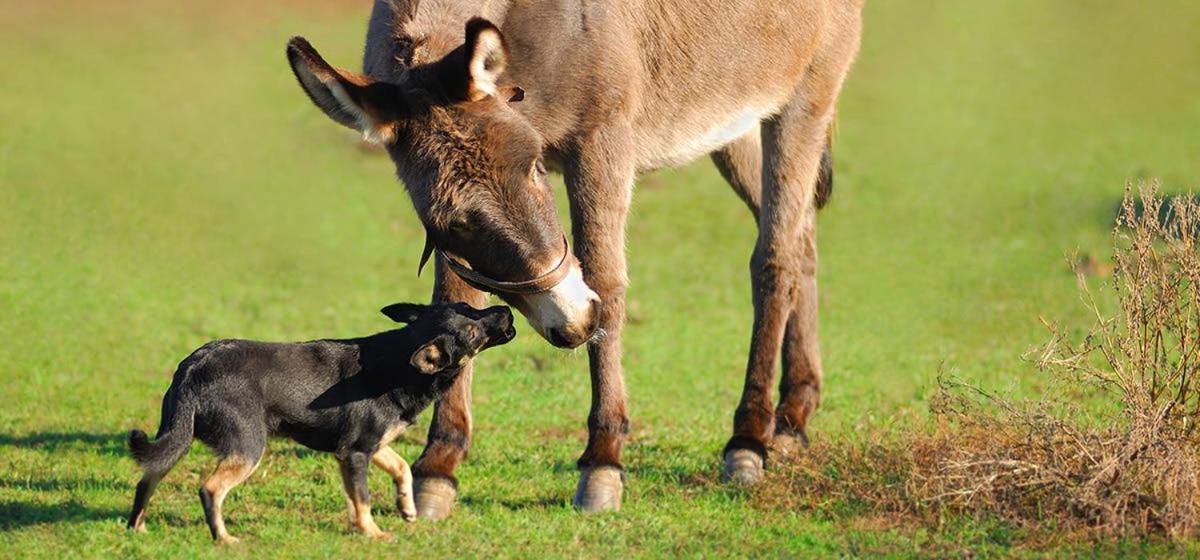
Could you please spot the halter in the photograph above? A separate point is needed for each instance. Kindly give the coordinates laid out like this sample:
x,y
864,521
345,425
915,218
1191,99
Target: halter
x,y
535,285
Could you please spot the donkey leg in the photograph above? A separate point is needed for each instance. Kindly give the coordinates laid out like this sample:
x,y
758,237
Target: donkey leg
x,y
800,387
434,484
792,145
600,185
740,163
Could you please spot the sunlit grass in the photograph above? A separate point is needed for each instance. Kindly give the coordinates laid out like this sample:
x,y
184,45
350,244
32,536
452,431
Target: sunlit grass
x,y
163,181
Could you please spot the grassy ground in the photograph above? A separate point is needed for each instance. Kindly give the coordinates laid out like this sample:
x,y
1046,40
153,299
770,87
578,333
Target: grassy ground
x,y
163,181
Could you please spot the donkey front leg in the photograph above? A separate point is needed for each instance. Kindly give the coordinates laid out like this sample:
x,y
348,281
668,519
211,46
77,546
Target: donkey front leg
x,y
792,144
600,184
434,484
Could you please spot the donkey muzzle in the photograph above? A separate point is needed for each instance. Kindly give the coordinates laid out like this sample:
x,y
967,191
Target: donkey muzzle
x,y
566,315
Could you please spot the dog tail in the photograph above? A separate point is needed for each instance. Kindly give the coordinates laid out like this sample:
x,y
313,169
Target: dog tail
x,y
173,440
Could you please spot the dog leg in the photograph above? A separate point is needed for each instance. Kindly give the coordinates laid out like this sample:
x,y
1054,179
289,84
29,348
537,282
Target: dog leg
x,y
391,462
145,489
354,482
230,472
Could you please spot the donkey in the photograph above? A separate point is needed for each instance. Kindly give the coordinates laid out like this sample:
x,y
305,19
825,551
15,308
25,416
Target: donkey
x,y
475,100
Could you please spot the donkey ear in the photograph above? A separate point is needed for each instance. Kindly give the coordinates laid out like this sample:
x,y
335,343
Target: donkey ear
x,y
433,356
351,99
404,312
487,56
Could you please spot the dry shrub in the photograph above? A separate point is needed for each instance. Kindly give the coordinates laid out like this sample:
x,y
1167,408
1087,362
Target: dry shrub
x,y
868,472
1125,463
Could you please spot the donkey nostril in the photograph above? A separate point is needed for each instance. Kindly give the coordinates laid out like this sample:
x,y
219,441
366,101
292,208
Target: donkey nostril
x,y
556,338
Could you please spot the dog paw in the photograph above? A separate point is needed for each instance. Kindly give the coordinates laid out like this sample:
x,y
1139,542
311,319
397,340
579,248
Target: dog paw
x,y
382,536
407,508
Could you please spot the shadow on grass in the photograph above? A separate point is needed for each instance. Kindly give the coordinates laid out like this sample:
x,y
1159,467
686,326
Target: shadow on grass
x,y
533,503
55,484
15,515
106,444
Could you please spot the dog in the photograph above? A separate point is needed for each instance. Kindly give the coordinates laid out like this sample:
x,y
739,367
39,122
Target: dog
x,y
347,397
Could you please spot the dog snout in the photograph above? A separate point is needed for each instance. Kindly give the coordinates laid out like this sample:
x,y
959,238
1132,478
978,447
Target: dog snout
x,y
501,328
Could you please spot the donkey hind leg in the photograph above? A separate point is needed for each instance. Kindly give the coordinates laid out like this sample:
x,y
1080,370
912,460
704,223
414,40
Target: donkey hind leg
x,y
792,146
740,163
434,485
800,387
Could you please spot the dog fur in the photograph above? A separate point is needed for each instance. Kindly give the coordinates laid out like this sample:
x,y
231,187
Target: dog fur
x,y
347,397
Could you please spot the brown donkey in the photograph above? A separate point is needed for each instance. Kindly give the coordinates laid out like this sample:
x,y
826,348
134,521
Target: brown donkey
x,y
475,99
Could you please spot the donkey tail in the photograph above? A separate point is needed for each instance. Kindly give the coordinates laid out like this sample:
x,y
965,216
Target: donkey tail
x,y
173,441
825,175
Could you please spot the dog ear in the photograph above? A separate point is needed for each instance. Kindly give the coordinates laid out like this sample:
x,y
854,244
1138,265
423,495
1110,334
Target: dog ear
x,y
404,312
433,356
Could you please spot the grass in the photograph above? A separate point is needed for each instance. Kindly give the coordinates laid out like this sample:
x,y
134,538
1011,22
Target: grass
x,y
163,181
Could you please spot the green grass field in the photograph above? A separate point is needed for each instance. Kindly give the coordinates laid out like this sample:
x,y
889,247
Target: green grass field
x,y
163,182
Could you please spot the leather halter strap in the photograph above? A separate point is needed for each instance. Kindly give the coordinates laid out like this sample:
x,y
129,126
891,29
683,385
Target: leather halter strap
x,y
536,285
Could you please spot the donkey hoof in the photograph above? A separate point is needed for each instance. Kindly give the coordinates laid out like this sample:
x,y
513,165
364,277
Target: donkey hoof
x,y
786,443
434,497
742,466
600,489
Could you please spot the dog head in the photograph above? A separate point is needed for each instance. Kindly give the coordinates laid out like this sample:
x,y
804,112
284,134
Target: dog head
x,y
453,333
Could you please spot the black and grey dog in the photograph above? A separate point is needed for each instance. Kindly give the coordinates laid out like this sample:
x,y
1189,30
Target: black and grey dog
x,y
347,397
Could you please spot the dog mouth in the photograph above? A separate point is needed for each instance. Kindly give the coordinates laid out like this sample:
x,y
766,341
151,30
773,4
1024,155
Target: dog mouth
x,y
501,336
508,334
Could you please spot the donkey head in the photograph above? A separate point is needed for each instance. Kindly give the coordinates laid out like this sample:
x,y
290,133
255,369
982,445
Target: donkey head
x,y
473,168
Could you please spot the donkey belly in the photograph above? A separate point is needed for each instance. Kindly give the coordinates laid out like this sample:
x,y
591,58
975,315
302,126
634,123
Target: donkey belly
x,y
711,71
691,138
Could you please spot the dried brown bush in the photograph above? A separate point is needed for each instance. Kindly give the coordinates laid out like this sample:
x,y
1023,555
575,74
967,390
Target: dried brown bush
x,y
1125,463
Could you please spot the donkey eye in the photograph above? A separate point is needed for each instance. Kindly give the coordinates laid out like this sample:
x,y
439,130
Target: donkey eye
x,y
539,168
460,227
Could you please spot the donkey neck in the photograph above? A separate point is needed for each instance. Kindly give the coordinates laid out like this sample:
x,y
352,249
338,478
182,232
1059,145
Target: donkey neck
x,y
436,27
